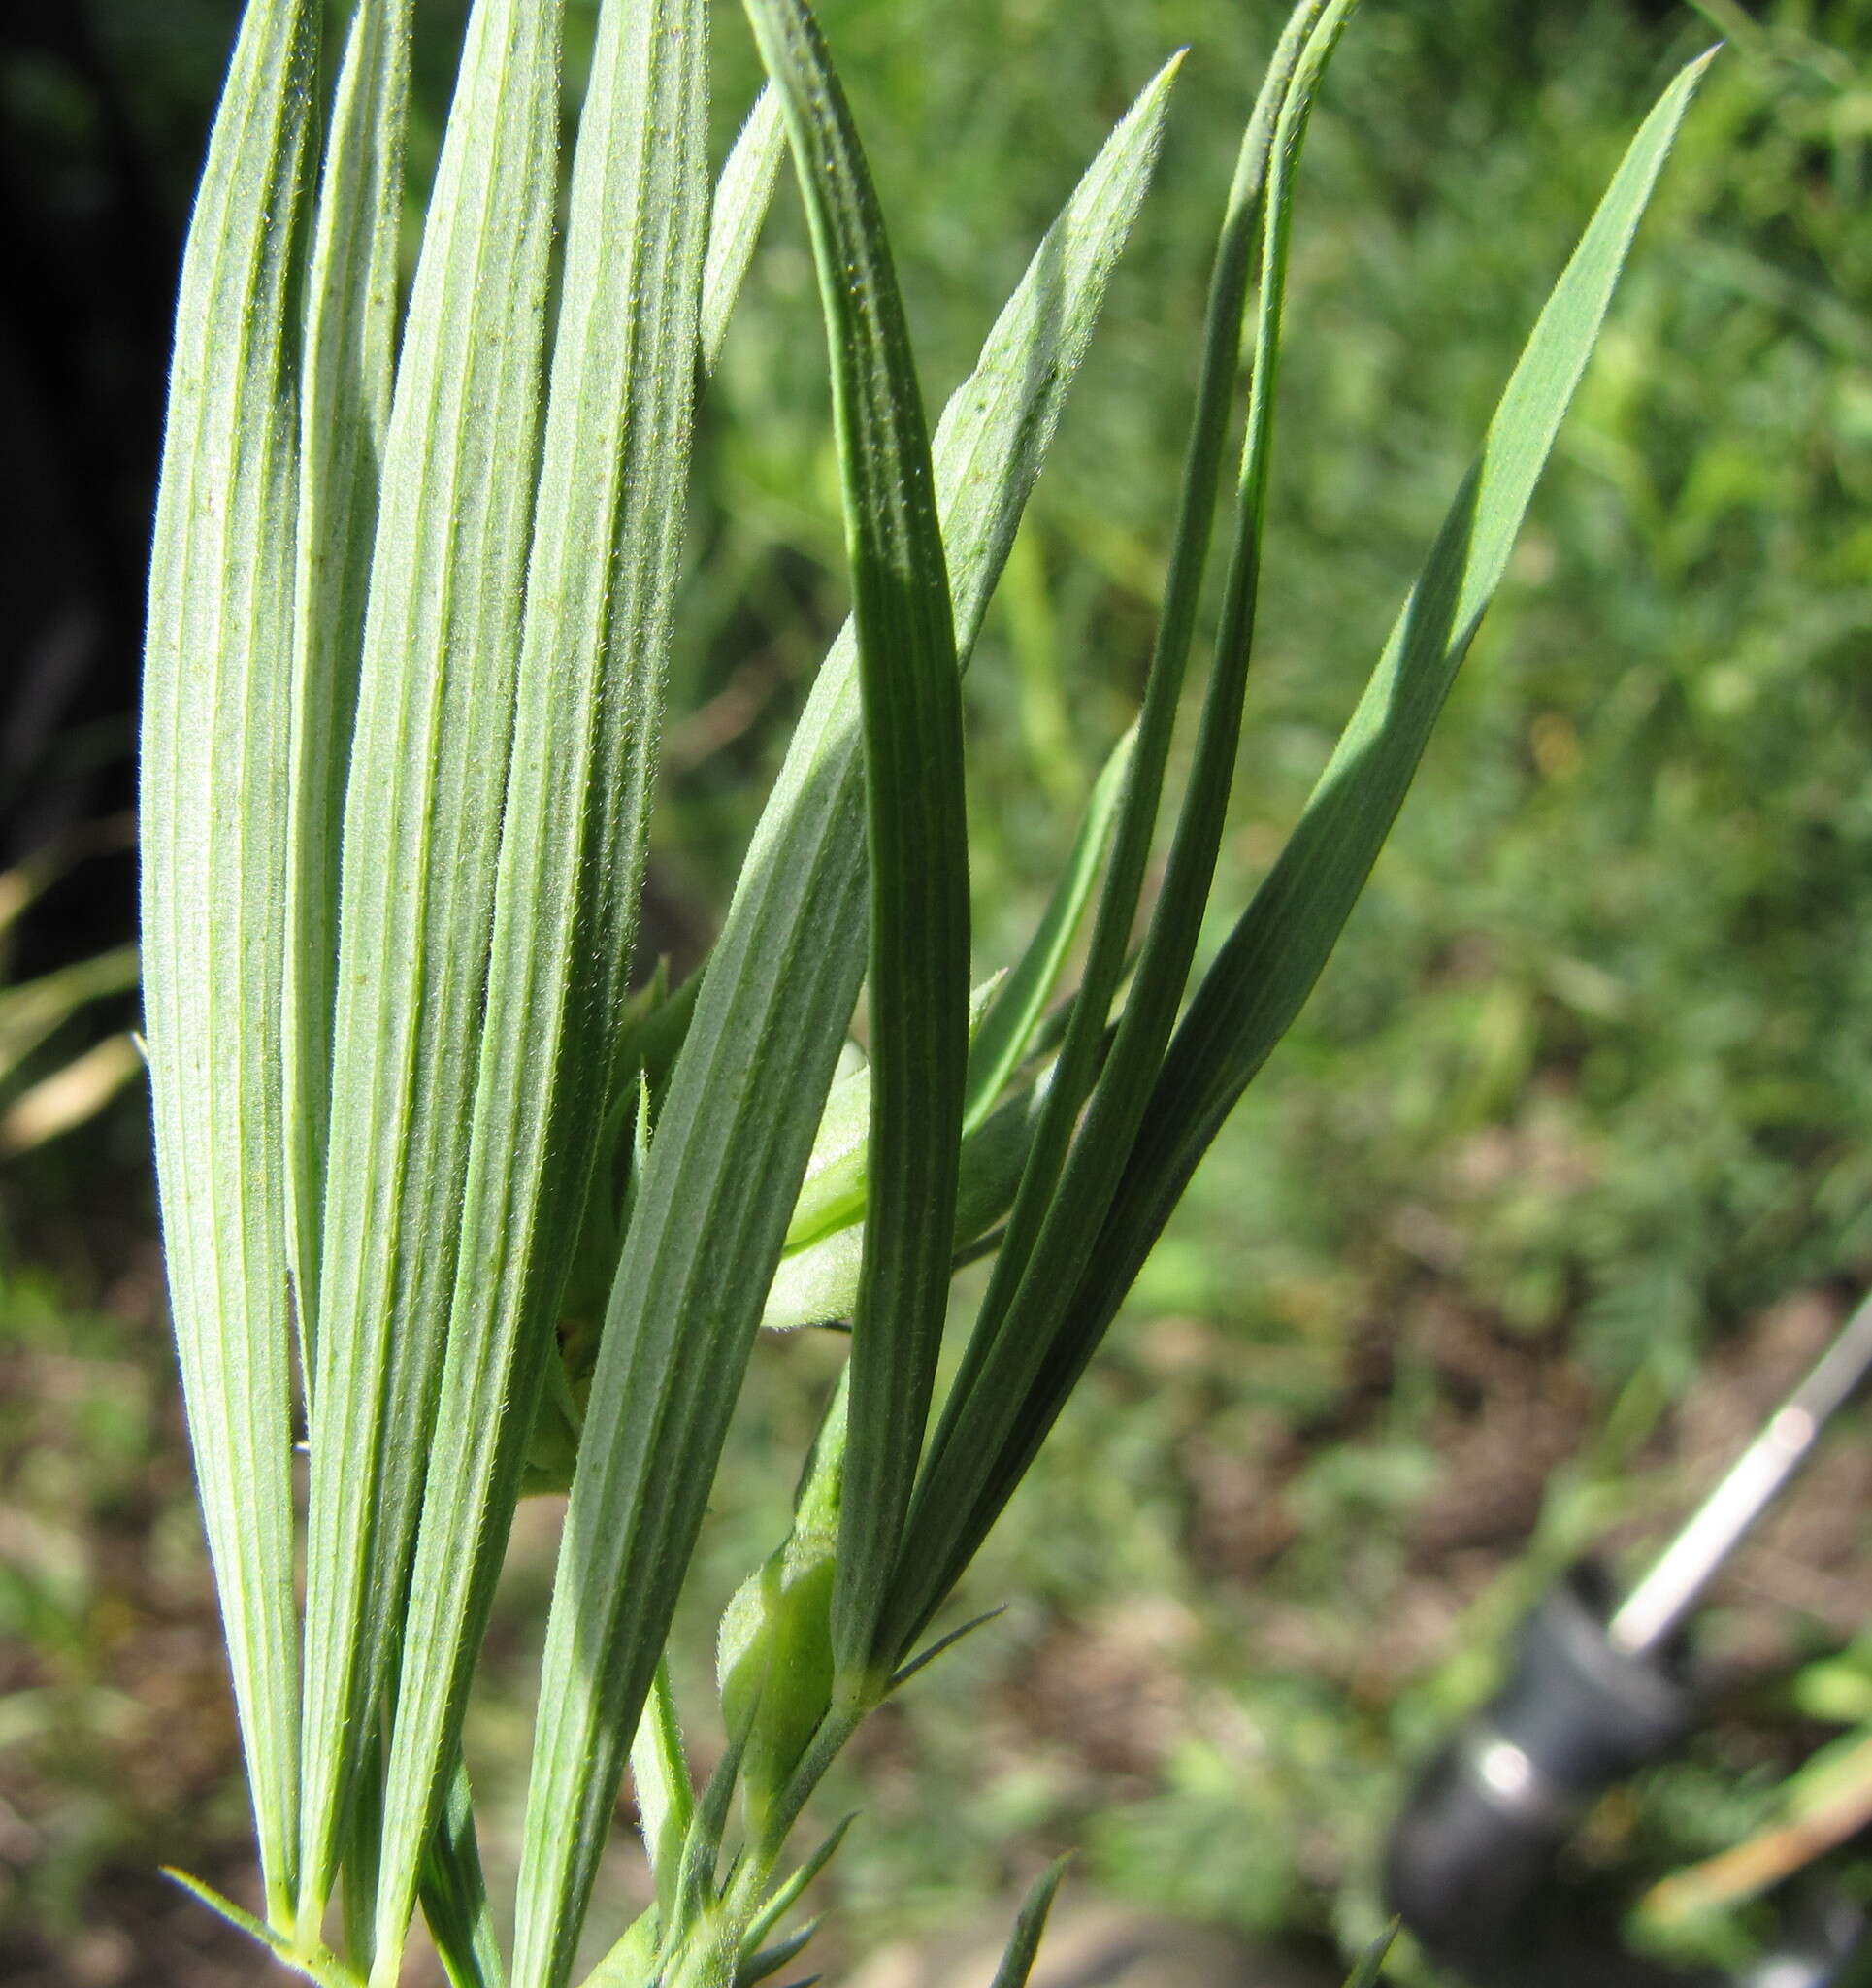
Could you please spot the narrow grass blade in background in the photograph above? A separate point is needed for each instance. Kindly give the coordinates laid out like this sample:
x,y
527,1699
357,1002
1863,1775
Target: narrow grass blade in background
x,y
214,828
70,1097
422,814
915,816
1370,1972
33,1012
715,1196
1269,963
345,404
600,585
1065,1188
742,196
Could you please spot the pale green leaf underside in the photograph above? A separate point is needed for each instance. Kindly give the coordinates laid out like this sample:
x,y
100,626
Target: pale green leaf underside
x,y
600,590
421,821
344,408
741,198
213,812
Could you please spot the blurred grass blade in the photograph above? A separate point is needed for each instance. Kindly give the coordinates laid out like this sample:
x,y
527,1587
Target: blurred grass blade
x,y
915,816
34,1011
1024,1942
1006,1032
727,1157
600,591
1138,817
1371,1963
1034,1271
70,1097
742,196
1270,961
454,1893
429,765
345,406
214,726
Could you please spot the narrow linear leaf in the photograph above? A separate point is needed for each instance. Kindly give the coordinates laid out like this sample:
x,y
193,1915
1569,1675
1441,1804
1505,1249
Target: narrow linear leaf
x,y
1371,1963
600,593
1125,875
916,819
1246,1001
345,407
770,1960
358,1853
421,820
1010,1347
742,196
320,1966
1006,1033
216,729
1024,1942
923,1658
1261,978
665,1798
728,1154
454,1891
792,1888
707,1823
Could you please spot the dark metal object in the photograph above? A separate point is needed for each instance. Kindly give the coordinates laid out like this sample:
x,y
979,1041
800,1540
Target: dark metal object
x,y
1594,1694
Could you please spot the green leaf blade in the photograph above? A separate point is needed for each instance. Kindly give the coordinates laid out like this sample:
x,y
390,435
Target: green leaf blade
x,y
916,815
421,820
1030,1927
599,597
1245,1005
1065,1191
454,1893
345,406
1268,965
728,1154
742,196
215,727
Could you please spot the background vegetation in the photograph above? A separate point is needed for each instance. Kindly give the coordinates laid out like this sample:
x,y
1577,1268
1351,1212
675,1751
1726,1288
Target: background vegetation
x,y
1566,1169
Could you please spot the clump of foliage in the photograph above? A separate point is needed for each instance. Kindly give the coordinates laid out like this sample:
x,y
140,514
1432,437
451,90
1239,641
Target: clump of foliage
x,y
446,1199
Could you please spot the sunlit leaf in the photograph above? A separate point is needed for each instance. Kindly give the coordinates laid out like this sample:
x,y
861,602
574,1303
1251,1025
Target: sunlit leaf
x,y
213,805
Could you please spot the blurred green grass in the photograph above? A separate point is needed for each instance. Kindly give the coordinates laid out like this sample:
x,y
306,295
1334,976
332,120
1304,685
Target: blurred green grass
x,y
1586,1091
